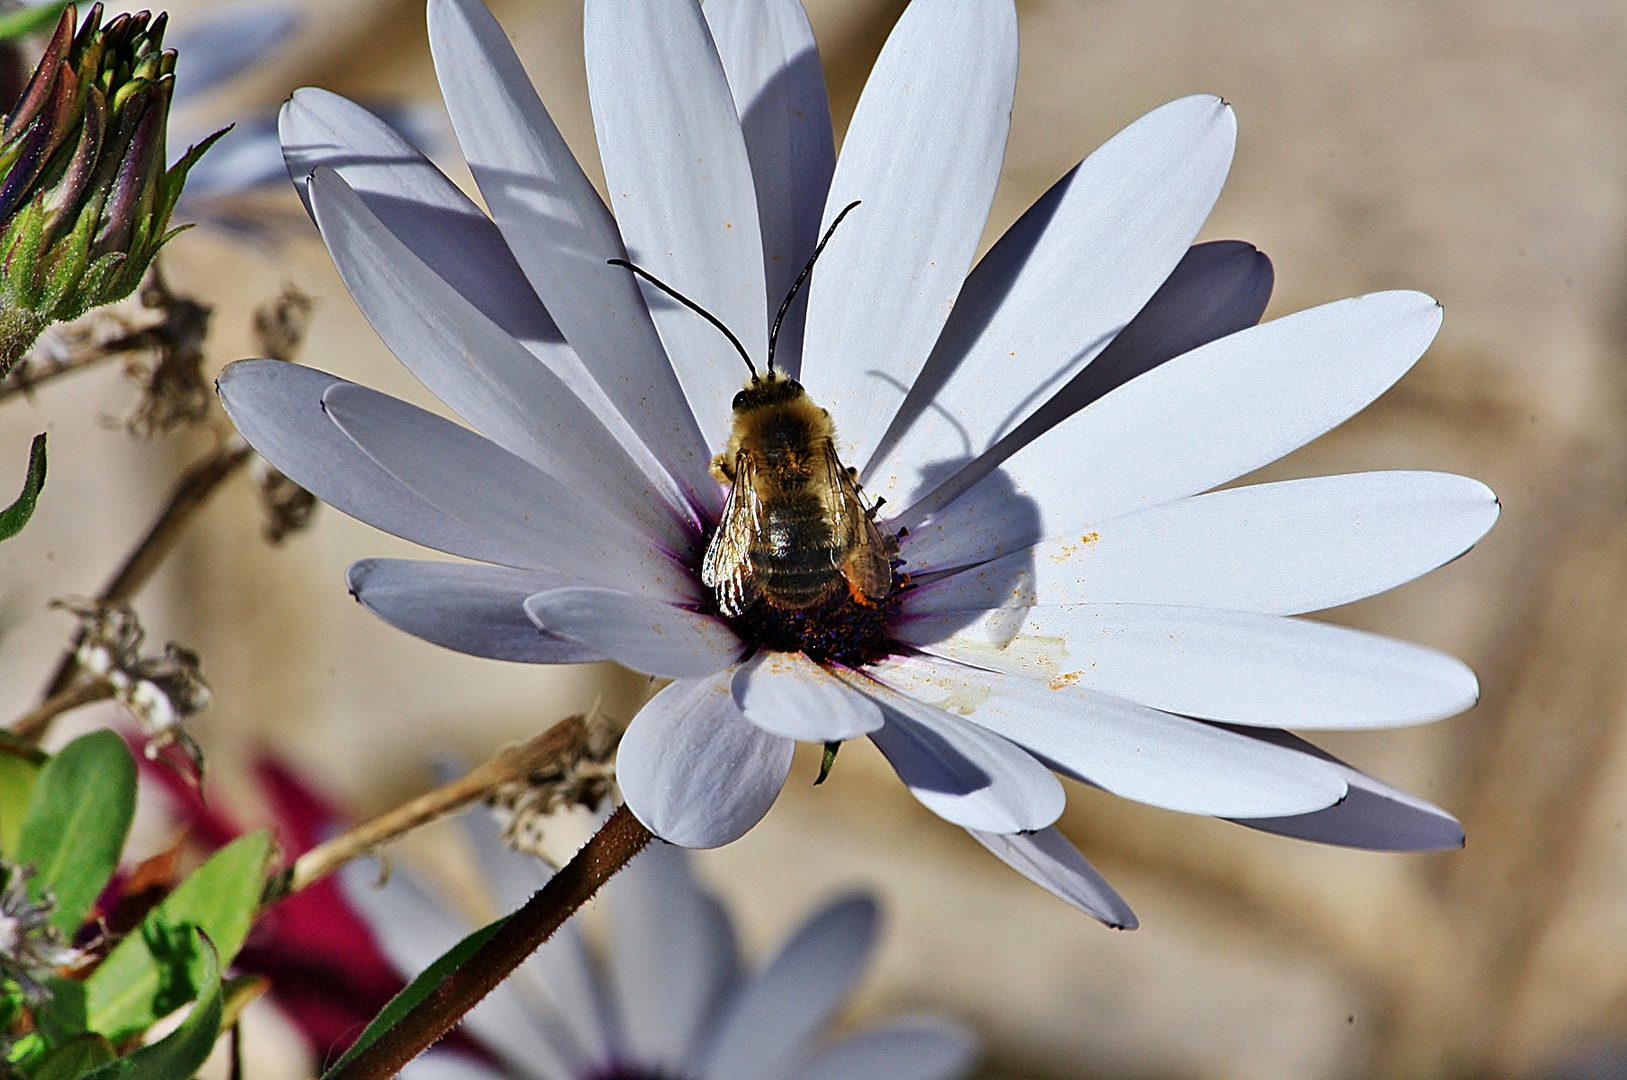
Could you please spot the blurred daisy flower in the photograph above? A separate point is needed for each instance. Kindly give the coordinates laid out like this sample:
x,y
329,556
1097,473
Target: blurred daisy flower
x,y
31,949
673,999
1069,594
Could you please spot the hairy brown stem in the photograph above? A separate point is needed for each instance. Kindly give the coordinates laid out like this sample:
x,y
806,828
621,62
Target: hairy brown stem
x,y
610,849
511,765
188,496
32,725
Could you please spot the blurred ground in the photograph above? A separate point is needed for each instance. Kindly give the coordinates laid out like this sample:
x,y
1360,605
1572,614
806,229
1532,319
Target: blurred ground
x,y
1477,151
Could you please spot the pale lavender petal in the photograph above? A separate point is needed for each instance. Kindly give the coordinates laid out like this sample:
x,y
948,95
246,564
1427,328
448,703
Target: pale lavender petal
x,y
448,1065
486,376
1374,816
638,632
1199,420
504,497
1049,860
1058,287
226,43
694,770
1217,288
788,694
418,204
770,1022
676,166
1281,549
922,153
924,1049
1128,749
413,930
964,773
1211,664
769,55
562,235
474,609
278,408
673,958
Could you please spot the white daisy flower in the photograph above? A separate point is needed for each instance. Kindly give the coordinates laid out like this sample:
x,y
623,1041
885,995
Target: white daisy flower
x,y
1043,428
673,1000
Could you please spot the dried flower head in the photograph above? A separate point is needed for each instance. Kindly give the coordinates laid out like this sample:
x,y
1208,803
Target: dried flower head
x,y
160,691
584,776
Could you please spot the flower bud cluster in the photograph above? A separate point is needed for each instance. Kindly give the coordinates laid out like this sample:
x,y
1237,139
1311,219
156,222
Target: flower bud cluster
x,y
86,199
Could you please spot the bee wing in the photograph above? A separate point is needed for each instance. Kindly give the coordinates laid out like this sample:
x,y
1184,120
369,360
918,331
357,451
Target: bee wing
x,y
862,552
727,566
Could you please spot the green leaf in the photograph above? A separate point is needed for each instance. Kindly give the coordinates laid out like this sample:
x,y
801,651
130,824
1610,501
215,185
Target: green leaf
x,y
15,516
78,816
17,776
75,1058
417,990
143,976
30,20
62,1017
180,1053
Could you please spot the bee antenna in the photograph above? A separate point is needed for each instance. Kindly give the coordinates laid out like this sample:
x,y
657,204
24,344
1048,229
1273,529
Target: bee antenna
x,y
774,335
692,306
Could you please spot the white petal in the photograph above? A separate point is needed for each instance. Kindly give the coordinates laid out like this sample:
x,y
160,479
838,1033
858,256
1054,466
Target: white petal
x,y
418,204
485,375
479,610
1374,816
561,970
676,167
1199,420
448,1065
414,930
775,1015
643,634
1232,666
964,773
1128,749
922,153
1282,548
1062,281
278,408
769,55
1050,861
694,770
510,500
562,235
673,957
790,695
925,1049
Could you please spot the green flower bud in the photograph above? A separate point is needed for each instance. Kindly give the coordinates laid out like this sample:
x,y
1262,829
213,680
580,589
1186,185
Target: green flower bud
x,y
86,200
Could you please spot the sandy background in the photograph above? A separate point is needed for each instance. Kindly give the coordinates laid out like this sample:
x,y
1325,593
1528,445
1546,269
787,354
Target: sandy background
x,y
1477,151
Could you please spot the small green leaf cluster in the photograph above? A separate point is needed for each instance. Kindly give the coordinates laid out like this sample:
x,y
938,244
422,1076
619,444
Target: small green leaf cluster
x,y
86,199
64,820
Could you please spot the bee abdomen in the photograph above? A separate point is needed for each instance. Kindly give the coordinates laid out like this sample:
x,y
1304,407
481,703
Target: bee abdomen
x,y
796,562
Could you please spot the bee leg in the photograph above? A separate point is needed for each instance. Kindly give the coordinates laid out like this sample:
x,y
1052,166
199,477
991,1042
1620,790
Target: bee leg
x,y
723,469
828,760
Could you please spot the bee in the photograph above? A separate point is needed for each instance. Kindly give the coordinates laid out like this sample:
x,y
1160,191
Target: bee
x,y
795,530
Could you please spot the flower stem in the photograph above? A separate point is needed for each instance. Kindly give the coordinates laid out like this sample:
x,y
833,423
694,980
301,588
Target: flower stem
x,y
30,726
514,764
610,849
188,496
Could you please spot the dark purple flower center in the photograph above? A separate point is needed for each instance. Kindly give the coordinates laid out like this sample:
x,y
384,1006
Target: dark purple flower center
x,y
839,629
